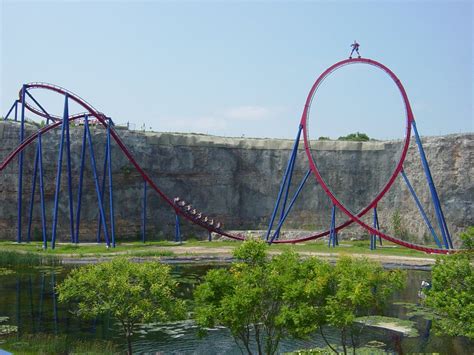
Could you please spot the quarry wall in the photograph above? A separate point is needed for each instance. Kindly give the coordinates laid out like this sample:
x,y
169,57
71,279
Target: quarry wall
x,y
237,180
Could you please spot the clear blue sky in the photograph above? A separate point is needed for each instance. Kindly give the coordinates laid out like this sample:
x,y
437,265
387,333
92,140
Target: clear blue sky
x,y
234,68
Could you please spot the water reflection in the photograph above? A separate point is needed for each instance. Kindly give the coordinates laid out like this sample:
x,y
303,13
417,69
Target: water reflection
x,y
29,299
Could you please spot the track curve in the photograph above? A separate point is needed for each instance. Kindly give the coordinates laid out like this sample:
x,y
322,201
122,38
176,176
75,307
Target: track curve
x,y
102,119
409,119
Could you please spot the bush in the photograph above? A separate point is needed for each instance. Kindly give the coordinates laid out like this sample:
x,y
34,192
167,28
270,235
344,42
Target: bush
x,y
452,295
467,239
357,137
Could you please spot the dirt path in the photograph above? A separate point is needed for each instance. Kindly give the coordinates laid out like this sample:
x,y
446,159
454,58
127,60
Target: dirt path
x,y
224,254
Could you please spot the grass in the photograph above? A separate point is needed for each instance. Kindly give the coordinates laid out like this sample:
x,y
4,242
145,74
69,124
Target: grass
x,y
51,344
11,258
32,253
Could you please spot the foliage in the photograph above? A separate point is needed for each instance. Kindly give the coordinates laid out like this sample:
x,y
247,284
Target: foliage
x,y
323,138
253,252
452,295
357,137
258,299
262,300
54,344
127,291
12,258
398,225
359,286
467,238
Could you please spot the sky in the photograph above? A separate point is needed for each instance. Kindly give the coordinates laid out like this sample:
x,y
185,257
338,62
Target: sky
x,y
245,68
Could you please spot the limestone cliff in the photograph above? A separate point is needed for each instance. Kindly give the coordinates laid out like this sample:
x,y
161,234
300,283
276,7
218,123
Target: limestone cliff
x,y
237,181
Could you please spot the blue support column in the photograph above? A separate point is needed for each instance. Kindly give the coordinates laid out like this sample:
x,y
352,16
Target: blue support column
x,y
102,190
290,206
96,181
378,226
177,232
32,200
81,180
434,195
288,185
20,164
332,231
41,185
48,117
144,212
58,174
111,197
288,172
209,236
420,208
14,106
69,180
373,237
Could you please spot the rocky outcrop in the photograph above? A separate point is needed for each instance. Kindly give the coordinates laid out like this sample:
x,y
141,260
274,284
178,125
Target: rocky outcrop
x,y
237,181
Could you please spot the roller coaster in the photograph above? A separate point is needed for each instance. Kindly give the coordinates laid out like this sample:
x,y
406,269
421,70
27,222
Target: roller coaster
x,y
181,208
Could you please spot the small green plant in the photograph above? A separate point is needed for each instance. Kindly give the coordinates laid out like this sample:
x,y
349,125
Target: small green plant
x,y
126,170
36,234
398,226
467,239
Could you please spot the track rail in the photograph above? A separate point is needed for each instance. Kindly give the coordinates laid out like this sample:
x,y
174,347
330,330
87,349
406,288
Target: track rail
x,y
396,172
102,119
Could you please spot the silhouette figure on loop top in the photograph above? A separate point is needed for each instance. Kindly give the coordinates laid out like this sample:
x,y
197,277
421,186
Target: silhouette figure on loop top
x,y
355,48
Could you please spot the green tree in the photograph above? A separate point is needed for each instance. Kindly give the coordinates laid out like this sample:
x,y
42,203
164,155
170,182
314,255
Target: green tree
x,y
263,300
452,295
359,286
259,299
130,292
357,137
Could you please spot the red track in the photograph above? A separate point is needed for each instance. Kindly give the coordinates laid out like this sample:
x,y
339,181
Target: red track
x,y
399,167
91,111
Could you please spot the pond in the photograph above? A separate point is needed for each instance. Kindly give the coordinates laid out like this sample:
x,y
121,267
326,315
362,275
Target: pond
x,y
27,297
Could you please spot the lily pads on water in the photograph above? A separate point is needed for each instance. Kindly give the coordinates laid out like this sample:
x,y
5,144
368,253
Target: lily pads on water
x,y
6,329
48,270
406,327
417,310
5,271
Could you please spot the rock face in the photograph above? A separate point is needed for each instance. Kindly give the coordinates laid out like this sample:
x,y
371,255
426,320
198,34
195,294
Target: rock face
x,y
237,180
